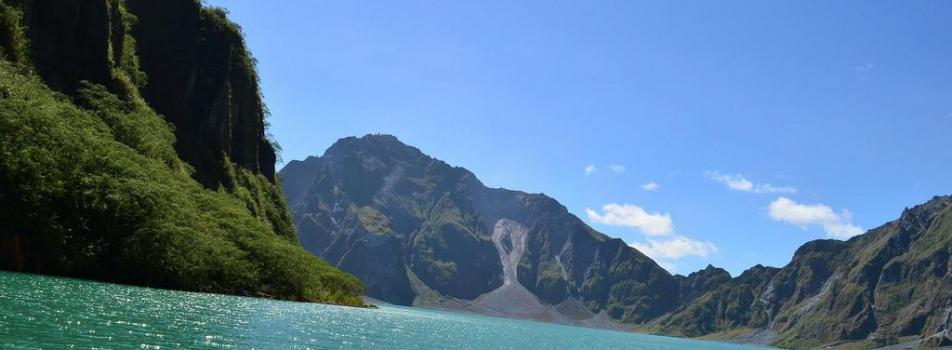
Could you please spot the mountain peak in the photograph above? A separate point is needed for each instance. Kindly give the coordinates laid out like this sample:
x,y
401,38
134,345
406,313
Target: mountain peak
x,y
377,145
416,230
370,140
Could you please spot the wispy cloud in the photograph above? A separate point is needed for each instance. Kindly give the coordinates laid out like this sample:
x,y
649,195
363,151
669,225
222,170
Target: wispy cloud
x,y
734,182
590,169
617,169
629,215
863,70
836,225
651,186
676,247
740,182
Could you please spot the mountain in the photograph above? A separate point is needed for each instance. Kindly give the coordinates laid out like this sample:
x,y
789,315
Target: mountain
x,y
891,284
133,149
418,231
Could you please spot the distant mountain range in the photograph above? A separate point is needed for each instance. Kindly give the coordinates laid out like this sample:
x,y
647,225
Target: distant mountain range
x,y
418,231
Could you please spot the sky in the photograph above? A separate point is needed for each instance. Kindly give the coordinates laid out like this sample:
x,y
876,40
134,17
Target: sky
x,y
700,132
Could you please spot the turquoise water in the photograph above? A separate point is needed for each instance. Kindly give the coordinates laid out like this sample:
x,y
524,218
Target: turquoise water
x,y
39,312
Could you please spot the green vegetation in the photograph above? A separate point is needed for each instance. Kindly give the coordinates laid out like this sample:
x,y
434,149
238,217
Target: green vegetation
x,y
373,220
126,73
13,43
101,190
93,182
887,286
262,198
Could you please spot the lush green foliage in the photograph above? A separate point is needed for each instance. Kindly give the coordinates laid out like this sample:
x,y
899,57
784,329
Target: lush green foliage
x,y
122,51
13,43
97,191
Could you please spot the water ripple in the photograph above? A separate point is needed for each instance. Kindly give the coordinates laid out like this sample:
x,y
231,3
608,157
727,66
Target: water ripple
x,y
39,312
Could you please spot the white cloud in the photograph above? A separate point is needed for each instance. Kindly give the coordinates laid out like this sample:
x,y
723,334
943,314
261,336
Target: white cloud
x,y
836,225
651,224
768,188
662,244
590,169
651,186
734,182
617,169
741,183
842,230
676,247
668,266
785,209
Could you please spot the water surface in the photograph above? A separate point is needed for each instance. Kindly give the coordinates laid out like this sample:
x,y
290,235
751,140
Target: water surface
x,y
40,312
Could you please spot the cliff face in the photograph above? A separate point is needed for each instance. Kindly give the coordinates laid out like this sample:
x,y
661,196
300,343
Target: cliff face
x,y
189,63
134,150
202,79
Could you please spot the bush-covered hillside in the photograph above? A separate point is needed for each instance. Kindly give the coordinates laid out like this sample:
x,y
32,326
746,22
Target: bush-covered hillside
x,y
93,183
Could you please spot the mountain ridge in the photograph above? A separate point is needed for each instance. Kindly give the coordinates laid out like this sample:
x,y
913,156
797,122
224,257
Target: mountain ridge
x,y
403,198
453,197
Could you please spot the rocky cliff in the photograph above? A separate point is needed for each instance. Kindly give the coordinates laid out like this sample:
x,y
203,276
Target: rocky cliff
x,y
134,150
202,79
892,284
187,62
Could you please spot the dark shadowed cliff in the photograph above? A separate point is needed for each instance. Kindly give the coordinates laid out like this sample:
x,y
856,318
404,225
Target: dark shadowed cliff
x,y
133,150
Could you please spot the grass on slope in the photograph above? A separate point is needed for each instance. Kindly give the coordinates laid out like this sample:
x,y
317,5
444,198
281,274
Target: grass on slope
x,y
100,193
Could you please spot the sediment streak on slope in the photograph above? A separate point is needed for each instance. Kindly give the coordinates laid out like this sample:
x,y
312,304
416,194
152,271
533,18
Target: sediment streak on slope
x,y
516,234
512,299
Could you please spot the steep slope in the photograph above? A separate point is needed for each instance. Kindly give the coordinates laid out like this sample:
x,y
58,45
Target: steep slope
x,y
203,80
95,183
726,305
891,284
421,232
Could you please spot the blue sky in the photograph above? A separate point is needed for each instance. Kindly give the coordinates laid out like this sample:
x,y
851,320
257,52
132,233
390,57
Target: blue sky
x,y
763,124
